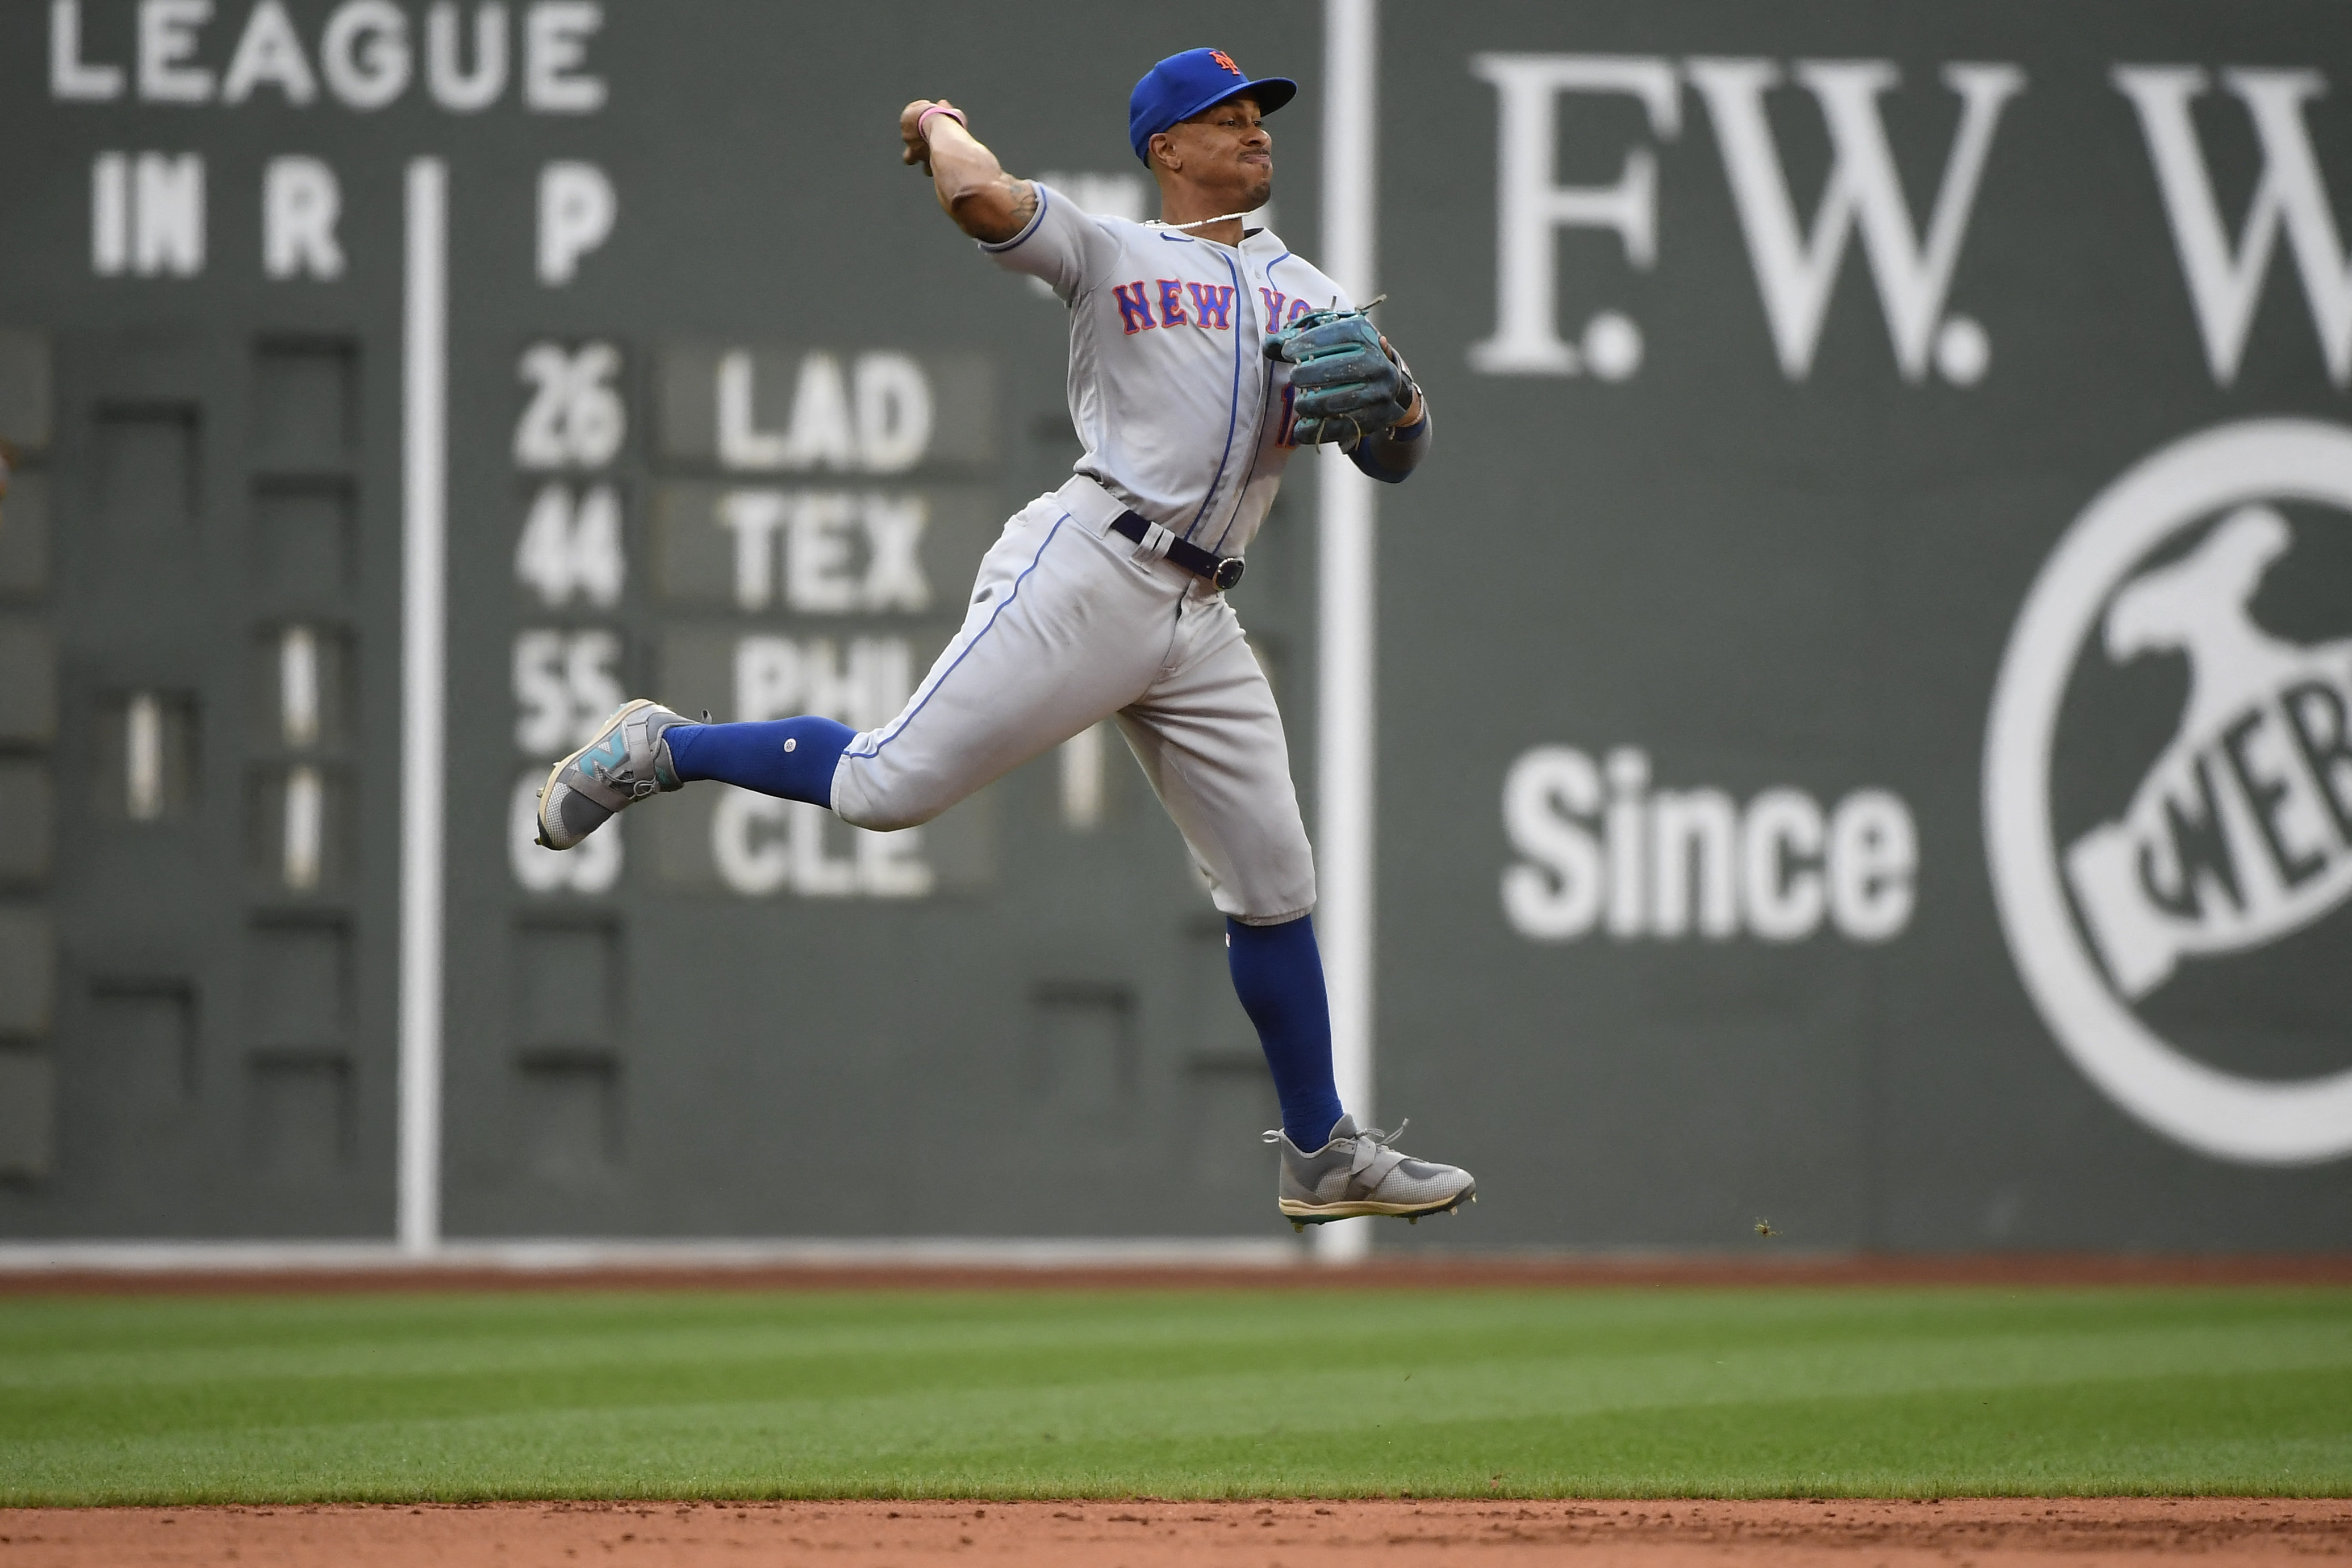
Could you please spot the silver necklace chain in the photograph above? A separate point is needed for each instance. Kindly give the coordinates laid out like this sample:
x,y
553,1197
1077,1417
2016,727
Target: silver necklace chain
x,y
1201,224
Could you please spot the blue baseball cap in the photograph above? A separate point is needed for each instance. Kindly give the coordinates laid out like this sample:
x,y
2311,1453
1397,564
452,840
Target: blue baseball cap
x,y
1181,86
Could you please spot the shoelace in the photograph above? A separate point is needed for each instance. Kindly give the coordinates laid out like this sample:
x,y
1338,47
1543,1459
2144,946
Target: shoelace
x,y
635,788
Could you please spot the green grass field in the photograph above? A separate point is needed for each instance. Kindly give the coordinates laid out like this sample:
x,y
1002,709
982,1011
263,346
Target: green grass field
x,y
1176,1394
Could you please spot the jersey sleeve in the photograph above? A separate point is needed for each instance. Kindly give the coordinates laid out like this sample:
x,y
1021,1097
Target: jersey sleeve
x,y
1061,244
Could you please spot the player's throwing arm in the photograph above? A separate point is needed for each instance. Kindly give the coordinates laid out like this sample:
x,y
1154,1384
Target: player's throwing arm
x,y
973,189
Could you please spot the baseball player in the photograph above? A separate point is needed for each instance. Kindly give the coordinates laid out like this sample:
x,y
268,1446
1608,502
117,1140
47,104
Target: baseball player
x,y
1202,354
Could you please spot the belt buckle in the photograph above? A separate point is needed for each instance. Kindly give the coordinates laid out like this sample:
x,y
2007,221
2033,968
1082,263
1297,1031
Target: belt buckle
x,y
1228,572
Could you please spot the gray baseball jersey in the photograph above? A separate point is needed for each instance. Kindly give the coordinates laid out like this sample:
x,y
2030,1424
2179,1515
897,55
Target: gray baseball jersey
x,y
1186,421
1182,415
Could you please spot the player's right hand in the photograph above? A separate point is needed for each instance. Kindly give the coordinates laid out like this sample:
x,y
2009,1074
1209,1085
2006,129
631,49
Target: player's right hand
x,y
917,151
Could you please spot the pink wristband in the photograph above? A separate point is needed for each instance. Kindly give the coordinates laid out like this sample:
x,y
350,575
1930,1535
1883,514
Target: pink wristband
x,y
923,121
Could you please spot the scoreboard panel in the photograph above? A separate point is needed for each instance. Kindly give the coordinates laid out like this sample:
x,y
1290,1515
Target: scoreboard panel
x,y
732,413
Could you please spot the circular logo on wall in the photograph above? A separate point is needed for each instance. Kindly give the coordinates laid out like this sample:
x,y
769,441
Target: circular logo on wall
x,y
2167,790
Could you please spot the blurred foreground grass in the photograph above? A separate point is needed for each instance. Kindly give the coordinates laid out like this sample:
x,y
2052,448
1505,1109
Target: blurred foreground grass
x,y
1176,1394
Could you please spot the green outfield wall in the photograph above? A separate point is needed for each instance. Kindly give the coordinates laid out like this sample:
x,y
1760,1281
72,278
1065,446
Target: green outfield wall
x,y
1864,683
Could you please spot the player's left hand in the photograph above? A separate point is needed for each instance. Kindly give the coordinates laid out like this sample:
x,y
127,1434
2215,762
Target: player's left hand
x,y
1347,382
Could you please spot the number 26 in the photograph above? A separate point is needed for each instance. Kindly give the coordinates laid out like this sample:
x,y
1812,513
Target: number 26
x,y
575,418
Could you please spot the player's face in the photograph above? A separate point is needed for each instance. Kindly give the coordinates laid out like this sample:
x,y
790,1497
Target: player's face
x,y
1226,147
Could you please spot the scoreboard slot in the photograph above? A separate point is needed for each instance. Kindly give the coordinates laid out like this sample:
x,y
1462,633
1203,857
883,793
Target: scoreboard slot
x,y
28,682
25,400
300,972
28,1094
147,755
305,393
27,974
568,991
28,805
569,1113
303,528
24,533
148,482
299,829
141,1034
147,1032
302,1124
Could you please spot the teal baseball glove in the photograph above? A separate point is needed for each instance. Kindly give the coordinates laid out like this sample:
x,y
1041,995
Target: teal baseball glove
x,y
1346,385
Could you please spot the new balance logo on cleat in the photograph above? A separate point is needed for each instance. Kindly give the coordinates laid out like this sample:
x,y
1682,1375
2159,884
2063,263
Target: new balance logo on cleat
x,y
605,755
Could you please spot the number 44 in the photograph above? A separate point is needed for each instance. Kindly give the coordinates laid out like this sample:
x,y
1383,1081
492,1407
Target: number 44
x,y
571,546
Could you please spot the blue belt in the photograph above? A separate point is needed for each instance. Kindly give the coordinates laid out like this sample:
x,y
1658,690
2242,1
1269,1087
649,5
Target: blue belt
x,y
1225,570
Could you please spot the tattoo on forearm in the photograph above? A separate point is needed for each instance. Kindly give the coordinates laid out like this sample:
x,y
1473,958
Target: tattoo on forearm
x,y
1024,202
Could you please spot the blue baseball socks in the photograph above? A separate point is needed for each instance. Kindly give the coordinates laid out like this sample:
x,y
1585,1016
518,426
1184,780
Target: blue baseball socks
x,y
1278,974
792,757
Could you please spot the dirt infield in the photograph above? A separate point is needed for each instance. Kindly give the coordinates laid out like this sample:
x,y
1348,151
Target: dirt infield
x,y
1426,1272
2221,1532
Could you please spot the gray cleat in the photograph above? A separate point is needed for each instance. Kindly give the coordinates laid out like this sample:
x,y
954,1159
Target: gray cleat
x,y
1358,1173
627,761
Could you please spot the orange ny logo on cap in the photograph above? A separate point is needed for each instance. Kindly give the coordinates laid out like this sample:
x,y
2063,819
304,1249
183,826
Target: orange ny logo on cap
x,y
1226,60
